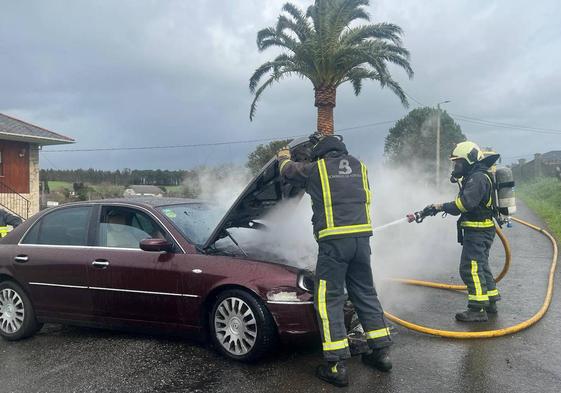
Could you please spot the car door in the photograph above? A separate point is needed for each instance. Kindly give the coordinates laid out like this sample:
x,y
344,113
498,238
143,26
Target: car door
x,y
131,283
53,257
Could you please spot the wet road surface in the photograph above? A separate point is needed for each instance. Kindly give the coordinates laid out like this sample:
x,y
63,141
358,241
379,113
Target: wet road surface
x,y
71,359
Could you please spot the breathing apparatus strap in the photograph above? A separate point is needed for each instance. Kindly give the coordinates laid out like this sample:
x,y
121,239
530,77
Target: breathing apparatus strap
x,y
493,200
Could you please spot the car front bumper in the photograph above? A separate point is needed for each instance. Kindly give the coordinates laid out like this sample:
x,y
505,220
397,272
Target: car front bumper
x,y
297,321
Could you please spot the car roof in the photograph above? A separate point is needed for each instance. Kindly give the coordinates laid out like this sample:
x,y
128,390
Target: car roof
x,y
142,201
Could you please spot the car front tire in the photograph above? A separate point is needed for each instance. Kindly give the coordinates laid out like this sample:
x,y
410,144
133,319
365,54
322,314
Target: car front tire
x,y
241,326
17,317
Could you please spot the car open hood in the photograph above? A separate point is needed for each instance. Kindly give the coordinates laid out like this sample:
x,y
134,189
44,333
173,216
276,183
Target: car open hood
x,y
262,193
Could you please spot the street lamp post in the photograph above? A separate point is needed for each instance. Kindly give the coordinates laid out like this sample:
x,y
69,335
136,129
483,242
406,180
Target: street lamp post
x,y
438,141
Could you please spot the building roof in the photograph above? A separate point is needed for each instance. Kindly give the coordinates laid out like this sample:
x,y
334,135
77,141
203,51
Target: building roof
x,y
554,155
17,130
146,189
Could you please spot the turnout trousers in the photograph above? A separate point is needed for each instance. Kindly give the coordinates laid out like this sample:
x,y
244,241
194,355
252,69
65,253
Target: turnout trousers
x,y
474,267
346,262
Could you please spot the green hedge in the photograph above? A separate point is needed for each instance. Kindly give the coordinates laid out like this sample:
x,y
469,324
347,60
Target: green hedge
x,y
543,196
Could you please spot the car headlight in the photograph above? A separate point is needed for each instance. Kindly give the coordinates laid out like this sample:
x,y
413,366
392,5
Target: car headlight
x,y
283,295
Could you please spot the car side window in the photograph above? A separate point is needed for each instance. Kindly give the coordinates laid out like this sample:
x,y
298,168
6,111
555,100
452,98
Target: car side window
x,y
123,227
64,227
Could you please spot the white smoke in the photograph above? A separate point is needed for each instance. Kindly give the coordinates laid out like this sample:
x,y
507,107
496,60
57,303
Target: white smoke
x,y
222,185
426,251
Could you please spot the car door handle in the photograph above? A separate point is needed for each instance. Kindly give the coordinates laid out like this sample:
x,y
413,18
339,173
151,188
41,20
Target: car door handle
x,y
100,263
21,258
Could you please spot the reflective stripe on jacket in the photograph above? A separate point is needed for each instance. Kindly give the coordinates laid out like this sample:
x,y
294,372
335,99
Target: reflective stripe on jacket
x,y
340,192
4,231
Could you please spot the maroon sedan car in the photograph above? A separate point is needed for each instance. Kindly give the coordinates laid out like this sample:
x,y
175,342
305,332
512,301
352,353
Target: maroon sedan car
x,y
154,265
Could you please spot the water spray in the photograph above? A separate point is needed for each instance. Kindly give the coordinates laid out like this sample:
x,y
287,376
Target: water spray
x,y
417,217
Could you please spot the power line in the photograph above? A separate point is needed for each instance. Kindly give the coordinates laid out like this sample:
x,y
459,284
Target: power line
x,y
490,123
486,123
413,98
194,145
52,163
517,126
165,146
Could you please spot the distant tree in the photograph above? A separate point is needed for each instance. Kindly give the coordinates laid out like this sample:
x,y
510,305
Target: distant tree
x,y
412,140
326,46
81,191
263,153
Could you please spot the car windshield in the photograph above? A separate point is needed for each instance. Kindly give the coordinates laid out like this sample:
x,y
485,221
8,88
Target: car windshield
x,y
195,220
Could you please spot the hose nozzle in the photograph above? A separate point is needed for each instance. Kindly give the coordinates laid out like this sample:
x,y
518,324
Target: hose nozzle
x,y
411,217
419,216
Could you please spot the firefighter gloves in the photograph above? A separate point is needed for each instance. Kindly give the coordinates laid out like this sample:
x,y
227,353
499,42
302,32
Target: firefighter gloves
x,y
284,154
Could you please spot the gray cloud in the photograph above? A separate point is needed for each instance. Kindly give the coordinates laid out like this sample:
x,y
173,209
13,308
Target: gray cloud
x,y
138,73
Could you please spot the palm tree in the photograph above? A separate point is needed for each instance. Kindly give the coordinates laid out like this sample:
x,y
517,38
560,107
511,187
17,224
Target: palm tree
x,y
322,46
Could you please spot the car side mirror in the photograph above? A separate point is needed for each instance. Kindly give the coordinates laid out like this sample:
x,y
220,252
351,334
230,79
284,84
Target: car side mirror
x,y
156,245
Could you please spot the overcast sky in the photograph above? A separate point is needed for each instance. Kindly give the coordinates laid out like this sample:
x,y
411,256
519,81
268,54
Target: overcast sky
x,y
144,73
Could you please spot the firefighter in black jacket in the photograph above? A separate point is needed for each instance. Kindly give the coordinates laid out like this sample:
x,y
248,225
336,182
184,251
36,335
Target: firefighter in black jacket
x,y
7,219
476,228
338,186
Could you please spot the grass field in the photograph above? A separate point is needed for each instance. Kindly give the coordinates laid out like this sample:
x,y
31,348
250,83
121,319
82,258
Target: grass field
x,y
543,196
173,188
55,185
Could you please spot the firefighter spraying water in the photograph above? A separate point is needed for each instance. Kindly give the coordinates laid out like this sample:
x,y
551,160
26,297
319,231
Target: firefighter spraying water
x,y
486,196
501,189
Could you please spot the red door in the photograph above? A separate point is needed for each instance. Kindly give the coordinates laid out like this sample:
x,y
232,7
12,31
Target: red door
x,y
14,165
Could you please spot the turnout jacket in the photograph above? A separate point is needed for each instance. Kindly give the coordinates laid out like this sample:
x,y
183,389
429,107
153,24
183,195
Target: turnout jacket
x,y
7,219
474,203
340,192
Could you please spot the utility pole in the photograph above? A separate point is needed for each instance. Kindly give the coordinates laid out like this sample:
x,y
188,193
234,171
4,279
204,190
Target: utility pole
x,y
438,114
437,180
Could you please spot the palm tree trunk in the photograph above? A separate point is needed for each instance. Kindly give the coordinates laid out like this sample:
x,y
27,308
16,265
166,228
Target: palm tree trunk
x,y
325,97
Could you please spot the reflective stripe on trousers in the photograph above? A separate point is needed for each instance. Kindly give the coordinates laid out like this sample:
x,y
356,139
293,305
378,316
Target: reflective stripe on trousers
x,y
328,345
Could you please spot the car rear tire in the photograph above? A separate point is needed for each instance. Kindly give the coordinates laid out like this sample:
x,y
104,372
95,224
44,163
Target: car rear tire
x,y
241,326
17,317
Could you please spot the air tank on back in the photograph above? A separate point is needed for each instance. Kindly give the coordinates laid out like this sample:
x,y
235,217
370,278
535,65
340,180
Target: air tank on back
x,y
505,191
504,186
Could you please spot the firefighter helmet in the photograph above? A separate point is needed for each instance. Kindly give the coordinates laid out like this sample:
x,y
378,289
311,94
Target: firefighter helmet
x,y
467,150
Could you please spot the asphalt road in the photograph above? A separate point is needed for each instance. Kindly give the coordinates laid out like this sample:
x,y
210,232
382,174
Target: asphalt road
x,y
69,359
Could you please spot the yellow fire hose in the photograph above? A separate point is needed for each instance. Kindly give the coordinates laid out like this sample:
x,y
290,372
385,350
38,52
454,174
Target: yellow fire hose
x,y
486,333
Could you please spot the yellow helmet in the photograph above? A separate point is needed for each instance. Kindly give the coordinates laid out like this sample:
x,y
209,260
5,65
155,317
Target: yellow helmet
x,y
467,150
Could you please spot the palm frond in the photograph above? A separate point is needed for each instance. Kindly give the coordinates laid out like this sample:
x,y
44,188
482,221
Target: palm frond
x,y
283,23
276,77
398,91
264,34
282,60
300,19
381,31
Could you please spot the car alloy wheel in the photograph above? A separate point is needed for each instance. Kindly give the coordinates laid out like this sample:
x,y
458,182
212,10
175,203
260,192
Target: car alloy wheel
x,y
235,326
12,311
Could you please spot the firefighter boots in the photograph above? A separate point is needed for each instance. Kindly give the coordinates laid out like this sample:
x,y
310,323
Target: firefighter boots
x,y
334,373
379,359
492,308
472,315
